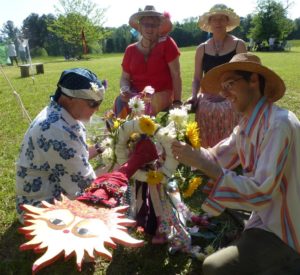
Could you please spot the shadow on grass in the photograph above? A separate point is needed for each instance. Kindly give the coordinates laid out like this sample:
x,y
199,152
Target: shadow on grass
x,y
151,260
147,260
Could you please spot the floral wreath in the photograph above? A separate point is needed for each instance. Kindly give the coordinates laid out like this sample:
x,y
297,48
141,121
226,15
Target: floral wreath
x,y
118,143
164,136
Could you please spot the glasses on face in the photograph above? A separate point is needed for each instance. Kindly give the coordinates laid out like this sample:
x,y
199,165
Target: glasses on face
x,y
149,25
217,19
93,104
227,85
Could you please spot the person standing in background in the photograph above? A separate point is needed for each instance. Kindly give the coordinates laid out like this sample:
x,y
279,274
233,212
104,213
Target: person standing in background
x,y
22,51
12,53
214,114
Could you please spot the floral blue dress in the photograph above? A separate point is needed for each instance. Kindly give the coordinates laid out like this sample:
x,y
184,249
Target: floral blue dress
x,y
53,158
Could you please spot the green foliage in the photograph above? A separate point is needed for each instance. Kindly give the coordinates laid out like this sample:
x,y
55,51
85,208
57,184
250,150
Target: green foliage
x,y
270,21
10,32
295,34
77,18
39,52
86,8
118,39
35,94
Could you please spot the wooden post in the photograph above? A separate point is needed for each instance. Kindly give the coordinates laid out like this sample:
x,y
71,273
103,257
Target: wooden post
x,y
39,68
24,70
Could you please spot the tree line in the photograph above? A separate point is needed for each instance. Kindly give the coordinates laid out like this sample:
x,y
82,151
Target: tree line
x,y
79,23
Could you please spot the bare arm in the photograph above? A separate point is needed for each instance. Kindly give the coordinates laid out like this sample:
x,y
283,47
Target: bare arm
x,y
241,47
176,78
94,150
125,88
198,71
125,79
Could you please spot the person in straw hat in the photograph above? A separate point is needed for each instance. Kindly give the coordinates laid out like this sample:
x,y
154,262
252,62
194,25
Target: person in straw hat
x,y
214,114
266,143
152,61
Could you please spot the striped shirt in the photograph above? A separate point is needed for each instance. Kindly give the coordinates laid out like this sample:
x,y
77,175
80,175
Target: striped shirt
x,y
267,146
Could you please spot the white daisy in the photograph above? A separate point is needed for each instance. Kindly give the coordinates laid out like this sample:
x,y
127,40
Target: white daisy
x,y
136,105
107,143
179,116
95,87
107,156
166,134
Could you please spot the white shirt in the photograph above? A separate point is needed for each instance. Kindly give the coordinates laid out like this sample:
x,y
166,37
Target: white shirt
x,y
12,50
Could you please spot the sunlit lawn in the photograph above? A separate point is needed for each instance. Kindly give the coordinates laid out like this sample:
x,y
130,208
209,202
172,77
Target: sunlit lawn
x,y
35,93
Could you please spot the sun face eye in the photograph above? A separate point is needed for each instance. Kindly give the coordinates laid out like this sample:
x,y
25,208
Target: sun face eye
x,y
88,228
59,218
56,221
82,231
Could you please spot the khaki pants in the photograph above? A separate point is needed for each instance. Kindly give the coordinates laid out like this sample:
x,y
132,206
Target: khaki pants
x,y
257,252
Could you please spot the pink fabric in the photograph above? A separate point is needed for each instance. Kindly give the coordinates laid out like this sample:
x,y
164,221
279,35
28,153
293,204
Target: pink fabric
x,y
216,119
155,70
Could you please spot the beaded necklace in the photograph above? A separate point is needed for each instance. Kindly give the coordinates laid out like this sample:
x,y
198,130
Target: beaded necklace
x,y
219,45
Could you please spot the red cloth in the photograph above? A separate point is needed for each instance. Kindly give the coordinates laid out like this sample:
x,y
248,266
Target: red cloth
x,y
154,71
109,188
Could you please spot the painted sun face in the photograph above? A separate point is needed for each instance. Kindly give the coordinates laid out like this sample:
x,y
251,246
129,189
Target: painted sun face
x,y
74,228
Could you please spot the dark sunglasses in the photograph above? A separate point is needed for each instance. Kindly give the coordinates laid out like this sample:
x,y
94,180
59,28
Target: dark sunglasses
x,y
93,104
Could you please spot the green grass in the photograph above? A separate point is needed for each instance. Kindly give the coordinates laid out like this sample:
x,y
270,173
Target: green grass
x,y
35,94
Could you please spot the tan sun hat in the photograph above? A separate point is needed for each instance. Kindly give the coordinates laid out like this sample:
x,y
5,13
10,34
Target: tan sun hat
x,y
219,9
165,22
274,85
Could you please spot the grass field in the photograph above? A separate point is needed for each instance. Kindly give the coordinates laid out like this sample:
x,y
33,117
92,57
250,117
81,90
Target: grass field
x,y
35,92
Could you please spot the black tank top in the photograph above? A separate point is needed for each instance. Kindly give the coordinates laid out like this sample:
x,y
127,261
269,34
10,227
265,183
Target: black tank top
x,y
211,61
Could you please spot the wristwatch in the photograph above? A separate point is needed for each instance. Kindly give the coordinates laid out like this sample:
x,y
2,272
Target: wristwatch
x,y
98,148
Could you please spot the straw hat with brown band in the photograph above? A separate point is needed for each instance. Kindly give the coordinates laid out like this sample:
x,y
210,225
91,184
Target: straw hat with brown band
x,y
165,22
219,9
274,85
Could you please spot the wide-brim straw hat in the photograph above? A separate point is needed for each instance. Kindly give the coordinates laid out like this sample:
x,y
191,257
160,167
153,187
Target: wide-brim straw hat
x,y
219,9
165,22
274,85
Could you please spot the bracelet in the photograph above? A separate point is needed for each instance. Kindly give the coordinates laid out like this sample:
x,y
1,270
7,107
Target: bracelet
x,y
98,148
177,101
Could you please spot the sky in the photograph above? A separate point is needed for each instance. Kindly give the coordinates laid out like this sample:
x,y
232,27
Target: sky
x,y
119,11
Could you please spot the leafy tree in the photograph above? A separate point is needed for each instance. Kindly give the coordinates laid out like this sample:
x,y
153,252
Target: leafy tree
x,y
119,39
74,17
243,30
270,20
10,32
295,34
188,33
35,29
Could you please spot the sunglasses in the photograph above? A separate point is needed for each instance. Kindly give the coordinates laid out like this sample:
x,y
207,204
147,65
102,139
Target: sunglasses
x,y
93,104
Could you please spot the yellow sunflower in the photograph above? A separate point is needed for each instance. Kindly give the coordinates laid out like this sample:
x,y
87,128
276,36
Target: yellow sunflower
x,y
116,124
147,125
194,183
154,177
193,133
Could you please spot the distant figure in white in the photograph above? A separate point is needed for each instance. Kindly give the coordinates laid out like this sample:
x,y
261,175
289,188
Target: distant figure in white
x,y
22,50
12,53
